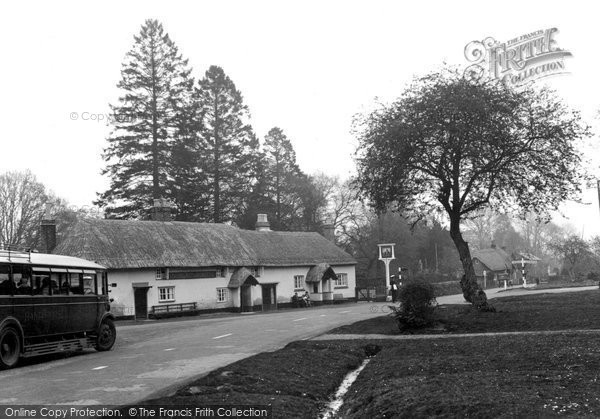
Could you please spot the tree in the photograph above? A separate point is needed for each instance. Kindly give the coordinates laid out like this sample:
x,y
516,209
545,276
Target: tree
x,y
157,88
22,204
479,230
228,160
283,179
456,146
573,249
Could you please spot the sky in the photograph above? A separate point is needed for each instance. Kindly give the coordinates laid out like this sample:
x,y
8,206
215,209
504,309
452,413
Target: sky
x,y
305,66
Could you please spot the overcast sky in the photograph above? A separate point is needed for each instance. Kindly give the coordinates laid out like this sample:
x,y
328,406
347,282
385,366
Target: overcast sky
x,y
305,66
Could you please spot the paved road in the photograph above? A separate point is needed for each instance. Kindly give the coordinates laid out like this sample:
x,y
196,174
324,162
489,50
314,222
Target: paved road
x,y
154,356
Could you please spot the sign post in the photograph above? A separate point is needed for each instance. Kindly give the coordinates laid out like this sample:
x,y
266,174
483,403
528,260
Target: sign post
x,y
386,254
523,274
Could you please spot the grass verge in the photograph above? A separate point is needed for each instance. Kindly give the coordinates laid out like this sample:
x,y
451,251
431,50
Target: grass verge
x,y
539,375
575,310
484,377
295,381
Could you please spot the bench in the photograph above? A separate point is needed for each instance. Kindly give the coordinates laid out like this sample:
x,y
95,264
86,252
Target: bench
x,y
338,298
168,310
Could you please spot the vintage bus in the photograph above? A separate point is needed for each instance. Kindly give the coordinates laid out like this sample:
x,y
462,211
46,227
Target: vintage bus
x,y
51,303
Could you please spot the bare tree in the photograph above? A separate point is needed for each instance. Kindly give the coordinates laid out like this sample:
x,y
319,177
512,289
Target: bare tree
x,y
22,201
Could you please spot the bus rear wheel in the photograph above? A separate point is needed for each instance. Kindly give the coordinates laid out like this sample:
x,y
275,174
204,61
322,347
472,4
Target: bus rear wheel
x,y
10,347
106,335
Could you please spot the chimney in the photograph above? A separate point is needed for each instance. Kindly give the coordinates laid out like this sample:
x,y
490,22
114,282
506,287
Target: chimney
x,y
48,232
328,231
262,224
161,210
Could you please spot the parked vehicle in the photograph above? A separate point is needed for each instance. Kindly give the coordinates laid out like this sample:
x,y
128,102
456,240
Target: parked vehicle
x,y
51,303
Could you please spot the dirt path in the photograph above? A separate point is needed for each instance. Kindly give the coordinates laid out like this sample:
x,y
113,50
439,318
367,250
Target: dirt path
x,y
511,292
453,335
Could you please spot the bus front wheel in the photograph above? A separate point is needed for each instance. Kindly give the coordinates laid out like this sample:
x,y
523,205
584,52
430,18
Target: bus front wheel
x,y
106,335
10,347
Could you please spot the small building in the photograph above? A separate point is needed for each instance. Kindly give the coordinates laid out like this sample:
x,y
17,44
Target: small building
x,y
492,266
155,266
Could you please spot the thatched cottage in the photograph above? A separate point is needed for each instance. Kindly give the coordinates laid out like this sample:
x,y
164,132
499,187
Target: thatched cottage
x,y
493,263
159,266
493,266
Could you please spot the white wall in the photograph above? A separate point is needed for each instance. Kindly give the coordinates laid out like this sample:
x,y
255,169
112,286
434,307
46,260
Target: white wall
x,y
203,291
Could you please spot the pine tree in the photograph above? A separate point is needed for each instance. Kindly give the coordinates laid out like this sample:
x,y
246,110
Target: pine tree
x,y
284,180
157,88
229,157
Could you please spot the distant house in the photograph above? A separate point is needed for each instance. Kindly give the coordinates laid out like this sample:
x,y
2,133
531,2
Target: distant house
x,y
492,266
499,266
157,265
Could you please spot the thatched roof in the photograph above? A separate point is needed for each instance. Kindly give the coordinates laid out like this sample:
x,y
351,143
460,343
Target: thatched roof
x,y
241,276
319,272
121,244
494,259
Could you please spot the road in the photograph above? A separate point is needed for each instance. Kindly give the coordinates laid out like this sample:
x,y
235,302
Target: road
x,y
155,357
152,357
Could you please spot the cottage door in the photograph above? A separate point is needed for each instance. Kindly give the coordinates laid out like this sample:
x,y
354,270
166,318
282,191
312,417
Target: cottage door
x,y
246,296
140,296
269,296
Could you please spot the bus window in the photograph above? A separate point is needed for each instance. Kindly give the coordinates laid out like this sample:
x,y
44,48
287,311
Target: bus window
x,y
63,284
55,281
7,286
76,283
89,284
22,278
41,284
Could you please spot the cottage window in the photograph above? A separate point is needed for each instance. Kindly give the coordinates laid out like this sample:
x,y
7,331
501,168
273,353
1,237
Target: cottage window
x,y
166,294
298,282
257,271
161,273
341,281
222,272
222,295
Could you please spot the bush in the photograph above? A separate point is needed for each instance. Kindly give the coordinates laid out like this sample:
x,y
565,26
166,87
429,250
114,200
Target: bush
x,y
417,305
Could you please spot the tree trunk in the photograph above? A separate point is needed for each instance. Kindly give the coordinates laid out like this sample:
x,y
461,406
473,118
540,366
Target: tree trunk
x,y
470,288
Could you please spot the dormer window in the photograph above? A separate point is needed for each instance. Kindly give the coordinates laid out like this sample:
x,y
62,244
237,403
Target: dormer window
x,y
161,273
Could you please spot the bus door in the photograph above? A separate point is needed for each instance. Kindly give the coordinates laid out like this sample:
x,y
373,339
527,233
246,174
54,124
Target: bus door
x,y
84,303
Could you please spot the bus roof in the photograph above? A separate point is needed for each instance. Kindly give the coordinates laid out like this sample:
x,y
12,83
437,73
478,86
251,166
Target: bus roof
x,y
47,260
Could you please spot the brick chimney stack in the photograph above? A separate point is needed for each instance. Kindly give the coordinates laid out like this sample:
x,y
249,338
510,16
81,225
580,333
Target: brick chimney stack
x,y
161,210
48,232
262,224
329,232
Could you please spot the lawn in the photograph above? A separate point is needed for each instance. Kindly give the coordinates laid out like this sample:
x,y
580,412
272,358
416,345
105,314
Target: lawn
x,y
295,381
575,310
535,375
501,376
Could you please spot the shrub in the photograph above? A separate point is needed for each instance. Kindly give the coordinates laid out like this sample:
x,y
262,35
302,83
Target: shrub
x,y
417,304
